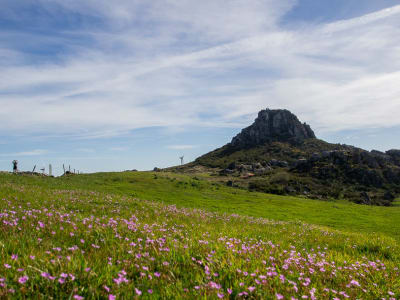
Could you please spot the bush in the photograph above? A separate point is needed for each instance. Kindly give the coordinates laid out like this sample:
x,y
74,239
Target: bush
x,y
280,178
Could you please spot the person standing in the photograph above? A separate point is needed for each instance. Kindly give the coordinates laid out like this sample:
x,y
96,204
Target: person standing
x,y
15,166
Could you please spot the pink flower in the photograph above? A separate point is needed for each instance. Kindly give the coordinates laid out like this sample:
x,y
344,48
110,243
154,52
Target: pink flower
x,y
150,291
220,295
7,266
354,282
157,274
14,257
77,297
279,296
23,279
107,288
229,291
111,297
251,288
139,292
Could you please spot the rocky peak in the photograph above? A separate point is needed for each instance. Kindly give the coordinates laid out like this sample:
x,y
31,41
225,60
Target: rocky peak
x,y
273,125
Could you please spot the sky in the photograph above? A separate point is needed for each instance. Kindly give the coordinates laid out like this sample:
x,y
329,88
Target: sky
x,y
103,85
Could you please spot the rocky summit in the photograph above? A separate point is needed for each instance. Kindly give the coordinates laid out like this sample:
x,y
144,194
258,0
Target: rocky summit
x,y
279,154
273,125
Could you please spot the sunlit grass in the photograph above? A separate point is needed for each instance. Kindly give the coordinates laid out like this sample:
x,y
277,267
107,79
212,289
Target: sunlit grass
x,y
65,242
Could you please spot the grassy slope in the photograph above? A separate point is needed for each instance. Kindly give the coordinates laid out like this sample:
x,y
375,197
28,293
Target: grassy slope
x,y
185,192
62,242
223,156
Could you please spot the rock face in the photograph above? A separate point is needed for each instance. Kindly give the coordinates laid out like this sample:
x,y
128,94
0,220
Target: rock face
x,y
273,125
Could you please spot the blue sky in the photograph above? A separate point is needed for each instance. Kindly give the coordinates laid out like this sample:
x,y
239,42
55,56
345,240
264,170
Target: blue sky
x,y
114,85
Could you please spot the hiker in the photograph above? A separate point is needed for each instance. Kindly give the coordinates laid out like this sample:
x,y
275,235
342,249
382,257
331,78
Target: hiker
x,y
15,166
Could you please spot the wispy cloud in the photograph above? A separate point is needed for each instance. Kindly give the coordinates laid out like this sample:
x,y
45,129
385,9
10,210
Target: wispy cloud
x,y
118,149
199,63
181,147
36,152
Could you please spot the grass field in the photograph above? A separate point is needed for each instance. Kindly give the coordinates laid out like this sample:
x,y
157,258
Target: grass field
x,y
163,235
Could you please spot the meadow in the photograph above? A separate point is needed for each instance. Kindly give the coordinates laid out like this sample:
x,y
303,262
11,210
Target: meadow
x,y
168,236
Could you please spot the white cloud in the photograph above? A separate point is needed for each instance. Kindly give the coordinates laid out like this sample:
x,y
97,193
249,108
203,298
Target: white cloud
x,y
119,148
205,63
181,147
36,152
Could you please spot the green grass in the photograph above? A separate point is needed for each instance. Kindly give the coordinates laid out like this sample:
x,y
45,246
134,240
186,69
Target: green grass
x,y
143,235
184,191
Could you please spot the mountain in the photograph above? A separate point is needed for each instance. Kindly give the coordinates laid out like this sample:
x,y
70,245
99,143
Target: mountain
x,y
279,154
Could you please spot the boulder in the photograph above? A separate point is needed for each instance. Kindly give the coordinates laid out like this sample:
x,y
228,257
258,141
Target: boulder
x,y
365,198
388,196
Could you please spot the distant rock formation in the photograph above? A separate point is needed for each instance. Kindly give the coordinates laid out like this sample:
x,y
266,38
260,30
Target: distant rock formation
x,y
273,125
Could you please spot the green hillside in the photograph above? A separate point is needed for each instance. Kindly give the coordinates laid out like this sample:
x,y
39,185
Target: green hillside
x,y
188,191
163,236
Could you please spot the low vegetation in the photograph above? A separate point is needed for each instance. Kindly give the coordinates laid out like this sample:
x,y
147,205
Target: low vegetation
x,y
163,235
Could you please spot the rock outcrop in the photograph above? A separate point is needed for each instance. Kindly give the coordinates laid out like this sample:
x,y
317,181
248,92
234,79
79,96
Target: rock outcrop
x,y
273,125
277,145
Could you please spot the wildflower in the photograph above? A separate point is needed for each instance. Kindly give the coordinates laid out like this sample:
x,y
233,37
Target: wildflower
x,y
7,266
229,291
354,282
23,279
157,274
251,288
279,296
111,297
14,256
77,297
150,291
220,295
139,292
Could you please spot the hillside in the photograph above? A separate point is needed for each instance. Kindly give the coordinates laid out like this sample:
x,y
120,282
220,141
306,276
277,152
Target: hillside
x,y
278,154
95,237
